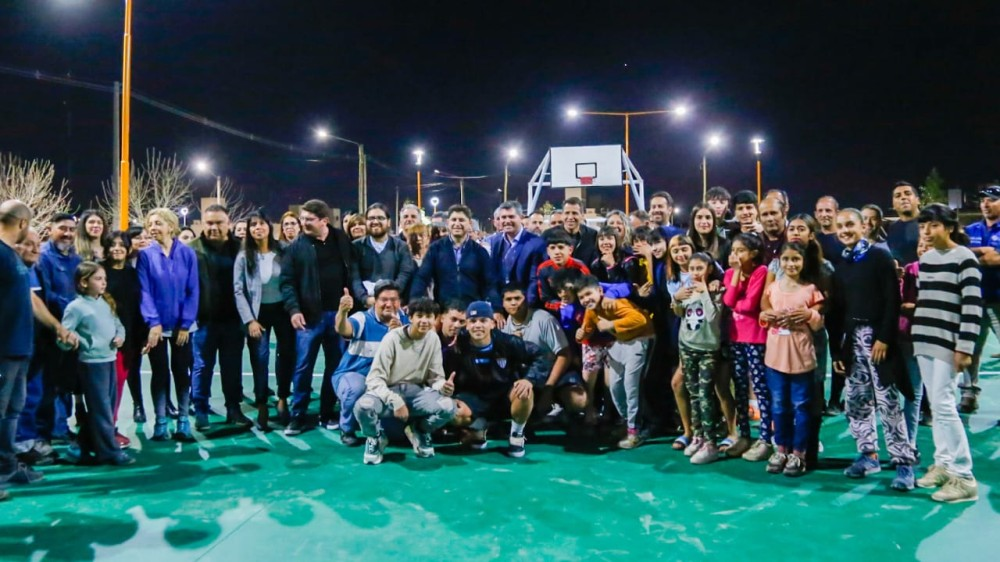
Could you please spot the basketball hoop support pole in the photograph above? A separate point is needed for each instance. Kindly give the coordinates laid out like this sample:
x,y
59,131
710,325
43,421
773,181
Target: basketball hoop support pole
x,y
627,185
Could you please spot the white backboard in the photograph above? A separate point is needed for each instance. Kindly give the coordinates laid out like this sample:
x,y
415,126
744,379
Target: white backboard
x,y
573,165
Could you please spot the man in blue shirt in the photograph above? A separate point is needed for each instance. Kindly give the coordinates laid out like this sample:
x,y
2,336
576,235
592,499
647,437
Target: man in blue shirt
x,y
364,330
984,241
515,253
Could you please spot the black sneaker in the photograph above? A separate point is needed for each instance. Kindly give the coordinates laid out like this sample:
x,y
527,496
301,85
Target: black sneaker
x,y
22,475
295,427
139,414
236,416
516,445
348,438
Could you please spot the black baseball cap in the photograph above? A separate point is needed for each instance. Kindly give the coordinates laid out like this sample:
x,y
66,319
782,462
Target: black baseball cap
x,y
992,192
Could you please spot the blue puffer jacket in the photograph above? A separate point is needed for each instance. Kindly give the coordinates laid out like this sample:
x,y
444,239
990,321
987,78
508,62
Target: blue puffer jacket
x,y
472,279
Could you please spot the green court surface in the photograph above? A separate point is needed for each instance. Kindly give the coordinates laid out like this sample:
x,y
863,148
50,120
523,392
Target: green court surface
x,y
251,496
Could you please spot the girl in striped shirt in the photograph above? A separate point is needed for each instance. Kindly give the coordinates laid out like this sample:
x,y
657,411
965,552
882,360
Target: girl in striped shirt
x,y
945,328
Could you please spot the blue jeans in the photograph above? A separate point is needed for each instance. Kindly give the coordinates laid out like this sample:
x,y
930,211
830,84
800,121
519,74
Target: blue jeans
x,y
307,344
349,387
27,428
911,408
790,397
13,374
226,340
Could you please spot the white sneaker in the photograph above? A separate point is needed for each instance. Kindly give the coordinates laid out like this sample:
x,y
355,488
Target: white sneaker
x,y
422,443
374,447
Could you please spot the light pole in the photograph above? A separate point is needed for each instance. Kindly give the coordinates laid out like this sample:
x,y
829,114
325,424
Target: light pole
x,y
126,107
712,142
434,203
756,142
419,155
512,154
205,169
323,135
184,215
679,110
461,182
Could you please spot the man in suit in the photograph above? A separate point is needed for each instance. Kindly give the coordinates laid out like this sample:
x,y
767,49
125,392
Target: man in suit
x,y
584,237
515,253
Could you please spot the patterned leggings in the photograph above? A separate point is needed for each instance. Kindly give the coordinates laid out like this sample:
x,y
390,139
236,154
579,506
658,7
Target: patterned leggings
x,y
748,366
699,378
865,393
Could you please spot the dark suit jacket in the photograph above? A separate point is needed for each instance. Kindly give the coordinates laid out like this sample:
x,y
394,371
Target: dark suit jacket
x,y
529,254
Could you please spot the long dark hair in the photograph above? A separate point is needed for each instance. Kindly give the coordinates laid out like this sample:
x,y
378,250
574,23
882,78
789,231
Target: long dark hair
x,y
937,212
754,244
250,246
122,235
811,272
705,243
878,235
82,242
609,232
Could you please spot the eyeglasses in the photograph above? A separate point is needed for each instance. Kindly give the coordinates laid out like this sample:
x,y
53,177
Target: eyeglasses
x,y
377,219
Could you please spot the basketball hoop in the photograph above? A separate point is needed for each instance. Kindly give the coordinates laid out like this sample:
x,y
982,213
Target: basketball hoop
x,y
587,180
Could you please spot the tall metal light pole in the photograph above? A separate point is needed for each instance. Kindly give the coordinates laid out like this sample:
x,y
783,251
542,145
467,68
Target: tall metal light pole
x,y
678,111
419,155
126,106
756,142
512,154
204,168
713,141
323,134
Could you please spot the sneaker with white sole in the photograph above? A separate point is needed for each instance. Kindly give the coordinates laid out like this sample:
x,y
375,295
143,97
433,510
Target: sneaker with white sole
x,y
761,451
935,477
516,445
696,444
795,466
863,466
957,490
374,447
776,462
708,453
631,441
903,482
422,443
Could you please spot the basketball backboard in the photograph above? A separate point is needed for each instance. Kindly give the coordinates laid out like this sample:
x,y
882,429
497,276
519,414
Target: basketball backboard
x,y
586,166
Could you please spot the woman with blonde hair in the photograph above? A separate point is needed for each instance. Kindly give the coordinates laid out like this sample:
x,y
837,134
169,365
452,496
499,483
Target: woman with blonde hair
x,y
289,228
619,221
418,238
168,276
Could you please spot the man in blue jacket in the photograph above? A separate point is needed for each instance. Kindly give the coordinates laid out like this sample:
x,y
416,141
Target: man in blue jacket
x,y
458,266
516,253
314,276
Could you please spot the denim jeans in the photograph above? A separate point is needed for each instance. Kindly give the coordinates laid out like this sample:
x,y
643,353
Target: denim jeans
x,y
224,339
59,374
911,408
13,376
27,428
272,318
307,344
349,387
100,389
790,401
429,409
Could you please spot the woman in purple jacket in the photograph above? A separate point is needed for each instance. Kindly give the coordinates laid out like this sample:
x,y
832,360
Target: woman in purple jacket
x,y
168,274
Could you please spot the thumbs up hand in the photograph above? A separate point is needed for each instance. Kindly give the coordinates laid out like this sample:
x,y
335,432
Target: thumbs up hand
x,y
346,302
449,385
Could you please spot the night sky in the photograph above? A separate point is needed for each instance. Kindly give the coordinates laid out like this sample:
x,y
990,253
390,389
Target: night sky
x,y
849,99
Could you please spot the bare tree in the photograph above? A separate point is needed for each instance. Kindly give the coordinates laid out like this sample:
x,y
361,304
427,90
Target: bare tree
x,y
232,196
160,182
33,182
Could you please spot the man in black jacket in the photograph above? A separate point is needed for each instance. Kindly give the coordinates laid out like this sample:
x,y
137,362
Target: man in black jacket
x,y
379,257
219,330
491,382
315,274
584,237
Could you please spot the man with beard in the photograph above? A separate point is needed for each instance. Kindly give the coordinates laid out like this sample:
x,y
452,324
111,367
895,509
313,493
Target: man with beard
x,y
379,257
904,234
457,266
556,219
984,241
314,276
536,223
56,267
220,329
515,253
826,215
772,219
661,215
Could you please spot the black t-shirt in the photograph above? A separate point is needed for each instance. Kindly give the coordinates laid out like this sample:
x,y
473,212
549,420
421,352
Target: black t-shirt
x,y
332,273
833,250
123,286
902,239
17,330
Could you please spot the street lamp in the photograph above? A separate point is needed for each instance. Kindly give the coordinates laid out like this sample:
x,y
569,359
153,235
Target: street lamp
x,y
184,215
434,203
512,154
711,143
756,142
678,110
323,134
419,155
204,168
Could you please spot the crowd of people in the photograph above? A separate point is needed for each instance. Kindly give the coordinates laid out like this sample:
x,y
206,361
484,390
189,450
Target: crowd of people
x,y
435,330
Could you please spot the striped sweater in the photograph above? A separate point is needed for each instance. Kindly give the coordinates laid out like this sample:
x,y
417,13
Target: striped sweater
x,y
949,304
